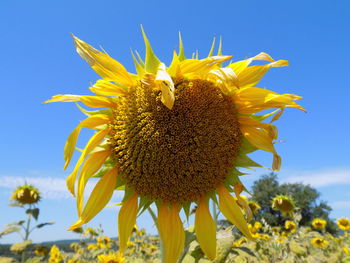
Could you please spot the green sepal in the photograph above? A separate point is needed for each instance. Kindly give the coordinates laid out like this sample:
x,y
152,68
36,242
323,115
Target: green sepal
x,y
220,47
246,147
245,162
152,62
220,51
215,199
128,193
186,207
212,48
263,117
142,63
90,113
181,49
143,205
138,66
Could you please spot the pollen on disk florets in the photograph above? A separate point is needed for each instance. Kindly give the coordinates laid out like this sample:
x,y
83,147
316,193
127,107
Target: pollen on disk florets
x,y
176,155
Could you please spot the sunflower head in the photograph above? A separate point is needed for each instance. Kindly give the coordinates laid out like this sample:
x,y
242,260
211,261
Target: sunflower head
x,y
55,255
41,251
26,194
173,135
284,204
319,242
111,257
344,224
319,224
290,226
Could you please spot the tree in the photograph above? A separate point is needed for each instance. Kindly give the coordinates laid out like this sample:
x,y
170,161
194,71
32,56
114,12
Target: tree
x,y
305,197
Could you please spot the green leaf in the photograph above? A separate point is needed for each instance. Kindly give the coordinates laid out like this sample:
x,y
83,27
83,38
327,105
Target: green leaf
x,y
245,162
34,212
45,224
246,250
9,230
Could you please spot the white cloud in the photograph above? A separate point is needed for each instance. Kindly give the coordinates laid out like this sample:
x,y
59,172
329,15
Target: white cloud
x,y
319,178
49,187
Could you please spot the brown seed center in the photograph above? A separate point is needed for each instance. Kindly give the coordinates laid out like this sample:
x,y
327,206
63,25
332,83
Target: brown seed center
x,y
181,154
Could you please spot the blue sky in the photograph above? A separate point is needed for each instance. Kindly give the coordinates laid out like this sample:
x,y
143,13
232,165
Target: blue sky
x,y
39,60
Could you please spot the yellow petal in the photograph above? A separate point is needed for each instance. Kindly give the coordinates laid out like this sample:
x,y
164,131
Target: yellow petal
x,y
104,65
225,78
230,209
100,196
251,100
90,123
205,229
203,66
104,87
259,138
90,101
171,232
239,66
271,129
127,220
166,85
91,165
92,143
252,75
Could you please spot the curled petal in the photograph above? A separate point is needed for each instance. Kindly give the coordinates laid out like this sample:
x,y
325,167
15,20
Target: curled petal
x,y
91,123
251,100
94,141
99,198
203,66
91,165
104,87
104,65
164,83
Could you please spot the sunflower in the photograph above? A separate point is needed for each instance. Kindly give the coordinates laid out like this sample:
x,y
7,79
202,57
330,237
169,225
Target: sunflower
x,y
319,242
290,226
319,223
111,258
343,224
284,204
173,136
26,194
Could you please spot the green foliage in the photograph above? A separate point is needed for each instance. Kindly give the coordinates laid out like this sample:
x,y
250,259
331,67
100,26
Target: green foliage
x,y
305,197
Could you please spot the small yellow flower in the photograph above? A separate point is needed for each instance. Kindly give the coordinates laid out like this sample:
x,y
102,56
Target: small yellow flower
x,y
319,242
92,247
55,255
290,226
346,251
284,234
130,244
319,223
26,194
41,251
264,237
240,242
254,207
257,225
344,224
111,258
152,248
104,242
284,204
